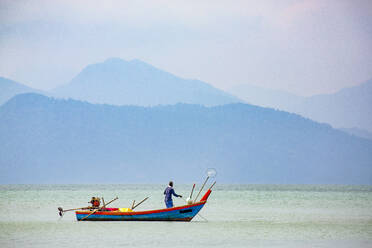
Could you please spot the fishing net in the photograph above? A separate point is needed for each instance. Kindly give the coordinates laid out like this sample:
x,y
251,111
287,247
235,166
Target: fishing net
x,y
211,172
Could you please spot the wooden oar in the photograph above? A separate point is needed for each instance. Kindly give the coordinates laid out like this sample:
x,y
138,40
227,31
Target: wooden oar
x,y
193,187
61,211
99,208
212,185
201,188
134,201
140,203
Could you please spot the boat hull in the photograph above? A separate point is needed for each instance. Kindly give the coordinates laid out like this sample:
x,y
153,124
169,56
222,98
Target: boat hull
x,y
182,213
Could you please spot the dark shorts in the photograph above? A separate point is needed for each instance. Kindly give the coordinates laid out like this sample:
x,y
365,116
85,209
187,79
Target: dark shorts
x,y
169,204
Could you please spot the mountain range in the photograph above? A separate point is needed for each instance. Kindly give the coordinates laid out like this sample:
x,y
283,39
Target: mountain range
x,y
120,82
47,140
178,129
347,108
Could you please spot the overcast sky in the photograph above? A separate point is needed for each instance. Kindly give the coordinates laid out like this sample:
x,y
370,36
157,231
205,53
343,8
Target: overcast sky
x,y
304,47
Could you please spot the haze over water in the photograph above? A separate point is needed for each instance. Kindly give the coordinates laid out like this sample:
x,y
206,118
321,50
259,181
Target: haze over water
x,y
238,216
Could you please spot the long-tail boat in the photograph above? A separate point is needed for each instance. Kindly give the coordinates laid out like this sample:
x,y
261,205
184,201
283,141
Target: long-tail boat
x,y
181,213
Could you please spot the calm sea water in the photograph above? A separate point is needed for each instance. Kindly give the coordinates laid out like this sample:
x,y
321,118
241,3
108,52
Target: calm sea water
x,y
238,216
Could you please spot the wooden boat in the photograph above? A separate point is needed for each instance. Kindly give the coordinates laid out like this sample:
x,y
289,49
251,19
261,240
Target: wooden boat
x,y
181,213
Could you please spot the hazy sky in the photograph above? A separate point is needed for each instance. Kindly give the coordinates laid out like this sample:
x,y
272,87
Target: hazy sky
x,y
304,47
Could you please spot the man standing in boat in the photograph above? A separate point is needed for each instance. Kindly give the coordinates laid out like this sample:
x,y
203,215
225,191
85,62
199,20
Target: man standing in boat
x,y
168,192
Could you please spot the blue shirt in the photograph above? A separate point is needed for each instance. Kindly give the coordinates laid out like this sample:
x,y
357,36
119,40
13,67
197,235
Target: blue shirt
x,y
168,192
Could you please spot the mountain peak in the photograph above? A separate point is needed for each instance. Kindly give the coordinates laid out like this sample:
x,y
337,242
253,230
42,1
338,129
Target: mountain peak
x,y
114,60
117,60
135,82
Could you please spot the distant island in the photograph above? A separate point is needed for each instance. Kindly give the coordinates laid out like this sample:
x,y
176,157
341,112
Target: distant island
x,y
46,140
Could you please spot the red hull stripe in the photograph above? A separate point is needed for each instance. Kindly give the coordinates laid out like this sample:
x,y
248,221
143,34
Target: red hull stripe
x,y
141,212
205,197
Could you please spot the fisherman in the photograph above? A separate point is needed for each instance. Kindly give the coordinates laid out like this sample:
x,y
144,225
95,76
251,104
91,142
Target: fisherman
x,y
95,201
168,192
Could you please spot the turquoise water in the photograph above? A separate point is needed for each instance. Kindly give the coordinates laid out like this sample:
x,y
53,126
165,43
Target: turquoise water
x,y
238,216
